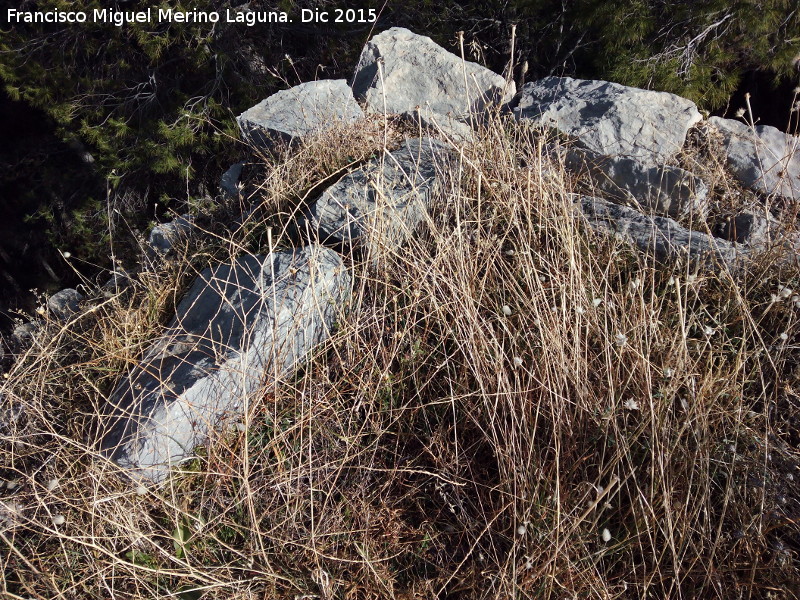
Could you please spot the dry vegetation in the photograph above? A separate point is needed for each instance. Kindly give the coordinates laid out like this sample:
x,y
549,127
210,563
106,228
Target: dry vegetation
x,y
511,407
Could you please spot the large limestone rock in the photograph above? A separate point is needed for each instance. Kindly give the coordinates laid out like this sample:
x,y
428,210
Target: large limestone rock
x,y
241,325
293,114
377,207
665,190
660,236
609,118
762,157
399,70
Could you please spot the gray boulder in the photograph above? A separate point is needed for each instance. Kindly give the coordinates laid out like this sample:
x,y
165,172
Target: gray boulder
x,y
242,326
660,236
293,114
762,158
376,208
166,236
65,303
663,189
609,118
399,70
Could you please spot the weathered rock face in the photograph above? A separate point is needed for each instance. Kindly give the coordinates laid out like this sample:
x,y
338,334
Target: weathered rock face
x,y
762,157
241,325
375,208
399,70
666,190
290,115
661,236
609,118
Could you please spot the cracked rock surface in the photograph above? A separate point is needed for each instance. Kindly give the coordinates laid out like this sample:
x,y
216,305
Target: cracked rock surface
x,y
377,207
609,118
242,325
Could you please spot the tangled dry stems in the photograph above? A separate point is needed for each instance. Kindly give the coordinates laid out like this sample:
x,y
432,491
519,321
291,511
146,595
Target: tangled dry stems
x,y
512,406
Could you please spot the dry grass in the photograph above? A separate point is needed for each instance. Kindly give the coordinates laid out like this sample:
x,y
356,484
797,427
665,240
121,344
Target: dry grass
x,y
512,407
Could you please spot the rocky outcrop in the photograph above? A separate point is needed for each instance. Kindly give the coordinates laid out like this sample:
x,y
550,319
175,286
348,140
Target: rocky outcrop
x,y
375,208
662,189
293,114
245,324
242,326
762,158
611,119
660,236
399,71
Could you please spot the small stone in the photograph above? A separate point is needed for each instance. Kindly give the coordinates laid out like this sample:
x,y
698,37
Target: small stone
x,y
665,190
376,208
229,183
165,237
65,304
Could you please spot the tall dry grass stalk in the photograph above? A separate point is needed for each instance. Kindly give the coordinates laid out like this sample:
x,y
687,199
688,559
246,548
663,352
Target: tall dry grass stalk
x,y
513,407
